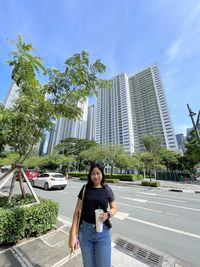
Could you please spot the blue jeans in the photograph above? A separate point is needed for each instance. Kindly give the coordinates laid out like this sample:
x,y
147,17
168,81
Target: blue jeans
x,y
95,247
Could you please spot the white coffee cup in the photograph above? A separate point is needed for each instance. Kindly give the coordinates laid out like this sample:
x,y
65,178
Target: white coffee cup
x,y
99,224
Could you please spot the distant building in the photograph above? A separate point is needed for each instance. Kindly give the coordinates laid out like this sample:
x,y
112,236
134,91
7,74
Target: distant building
x,y
91,123
65,128
12,95
135,105
181,142
114,123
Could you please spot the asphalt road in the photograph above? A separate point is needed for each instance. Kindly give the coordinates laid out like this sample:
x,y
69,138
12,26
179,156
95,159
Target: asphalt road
x,y
166,221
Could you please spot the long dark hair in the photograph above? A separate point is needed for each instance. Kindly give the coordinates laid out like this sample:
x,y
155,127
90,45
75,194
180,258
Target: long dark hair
x,y
101,168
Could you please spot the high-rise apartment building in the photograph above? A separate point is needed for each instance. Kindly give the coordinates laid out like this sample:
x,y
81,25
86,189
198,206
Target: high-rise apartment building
x,y
114,121
91,123
135,105
181,142
12,95
149,108
65,128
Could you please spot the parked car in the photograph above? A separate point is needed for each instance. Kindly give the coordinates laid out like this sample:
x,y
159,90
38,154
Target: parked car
x,y
6,168
50,180
32,174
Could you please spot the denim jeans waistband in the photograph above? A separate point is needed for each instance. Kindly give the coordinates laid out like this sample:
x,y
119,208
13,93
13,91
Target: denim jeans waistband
x,y
89,225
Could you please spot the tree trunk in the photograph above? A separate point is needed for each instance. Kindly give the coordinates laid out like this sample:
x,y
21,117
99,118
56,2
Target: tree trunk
x,y
155,174
12,187
21,184
111,170
144,174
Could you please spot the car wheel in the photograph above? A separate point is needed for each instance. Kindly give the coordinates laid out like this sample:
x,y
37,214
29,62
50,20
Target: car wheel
x,y
46,186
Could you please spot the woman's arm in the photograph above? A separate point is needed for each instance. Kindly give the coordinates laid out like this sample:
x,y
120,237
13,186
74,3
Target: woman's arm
x,y
74,243
112,211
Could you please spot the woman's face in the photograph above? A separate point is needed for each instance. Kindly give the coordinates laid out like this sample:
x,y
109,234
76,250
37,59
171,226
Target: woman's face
x,y
96,177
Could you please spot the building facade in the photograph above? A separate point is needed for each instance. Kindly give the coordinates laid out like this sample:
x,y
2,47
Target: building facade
x,y
181,142
149,108
12,95
65,128
113,120
135,105
91,123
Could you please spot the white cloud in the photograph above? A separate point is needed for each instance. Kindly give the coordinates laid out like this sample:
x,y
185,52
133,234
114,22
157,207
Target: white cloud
x,y
185,43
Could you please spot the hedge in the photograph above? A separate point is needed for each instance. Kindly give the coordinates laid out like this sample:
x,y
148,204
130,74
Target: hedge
x,y
17,222
149,183
121,177
114,181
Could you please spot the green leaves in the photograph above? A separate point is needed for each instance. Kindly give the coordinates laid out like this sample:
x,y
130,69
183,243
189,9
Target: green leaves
x,y
38,105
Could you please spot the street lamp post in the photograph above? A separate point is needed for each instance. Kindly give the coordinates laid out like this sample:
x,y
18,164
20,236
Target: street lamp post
x,y
195,125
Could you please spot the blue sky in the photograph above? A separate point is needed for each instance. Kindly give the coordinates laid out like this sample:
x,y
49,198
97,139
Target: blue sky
x,y
126,35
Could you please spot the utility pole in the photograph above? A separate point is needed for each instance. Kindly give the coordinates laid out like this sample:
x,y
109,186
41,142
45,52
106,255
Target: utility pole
x,y
195,125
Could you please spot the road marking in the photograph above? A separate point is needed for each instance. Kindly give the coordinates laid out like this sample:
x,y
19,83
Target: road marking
x,y
121,215
192,199
160,203
165,228
169,213
149,194
174,206
138,207
163,198
136,199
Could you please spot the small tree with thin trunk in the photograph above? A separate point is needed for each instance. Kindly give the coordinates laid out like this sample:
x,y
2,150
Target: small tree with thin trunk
x,y
37,104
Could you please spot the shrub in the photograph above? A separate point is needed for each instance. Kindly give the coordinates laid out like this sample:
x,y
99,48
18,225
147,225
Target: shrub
x,y
77,174
148,183
112,181
121,177
83,178
18,222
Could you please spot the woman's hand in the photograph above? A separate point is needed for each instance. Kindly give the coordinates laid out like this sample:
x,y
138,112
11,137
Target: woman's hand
x,y
74,244
103,216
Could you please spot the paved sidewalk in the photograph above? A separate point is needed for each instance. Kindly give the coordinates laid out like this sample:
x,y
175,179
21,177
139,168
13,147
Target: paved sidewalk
x,y
51,250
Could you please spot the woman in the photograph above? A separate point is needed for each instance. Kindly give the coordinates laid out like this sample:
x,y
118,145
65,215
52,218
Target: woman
x,y
95,246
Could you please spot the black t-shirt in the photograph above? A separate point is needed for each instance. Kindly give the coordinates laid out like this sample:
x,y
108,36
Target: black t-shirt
x,y
95,198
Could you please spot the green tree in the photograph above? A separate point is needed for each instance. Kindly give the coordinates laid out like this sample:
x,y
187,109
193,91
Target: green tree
x,y
112,154
4,128
123,162
192,148
151,142
74,147
147,162
169,159
94,154
33,111
9,158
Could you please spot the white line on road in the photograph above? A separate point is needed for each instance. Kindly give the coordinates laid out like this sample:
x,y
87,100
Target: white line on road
x,y
149,194
121,215
192,199
165,228
169,213
138,207
163,198
136,199
160,203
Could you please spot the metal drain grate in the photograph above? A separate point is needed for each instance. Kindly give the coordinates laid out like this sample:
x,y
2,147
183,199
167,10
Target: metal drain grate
x,y
135,251
141,252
